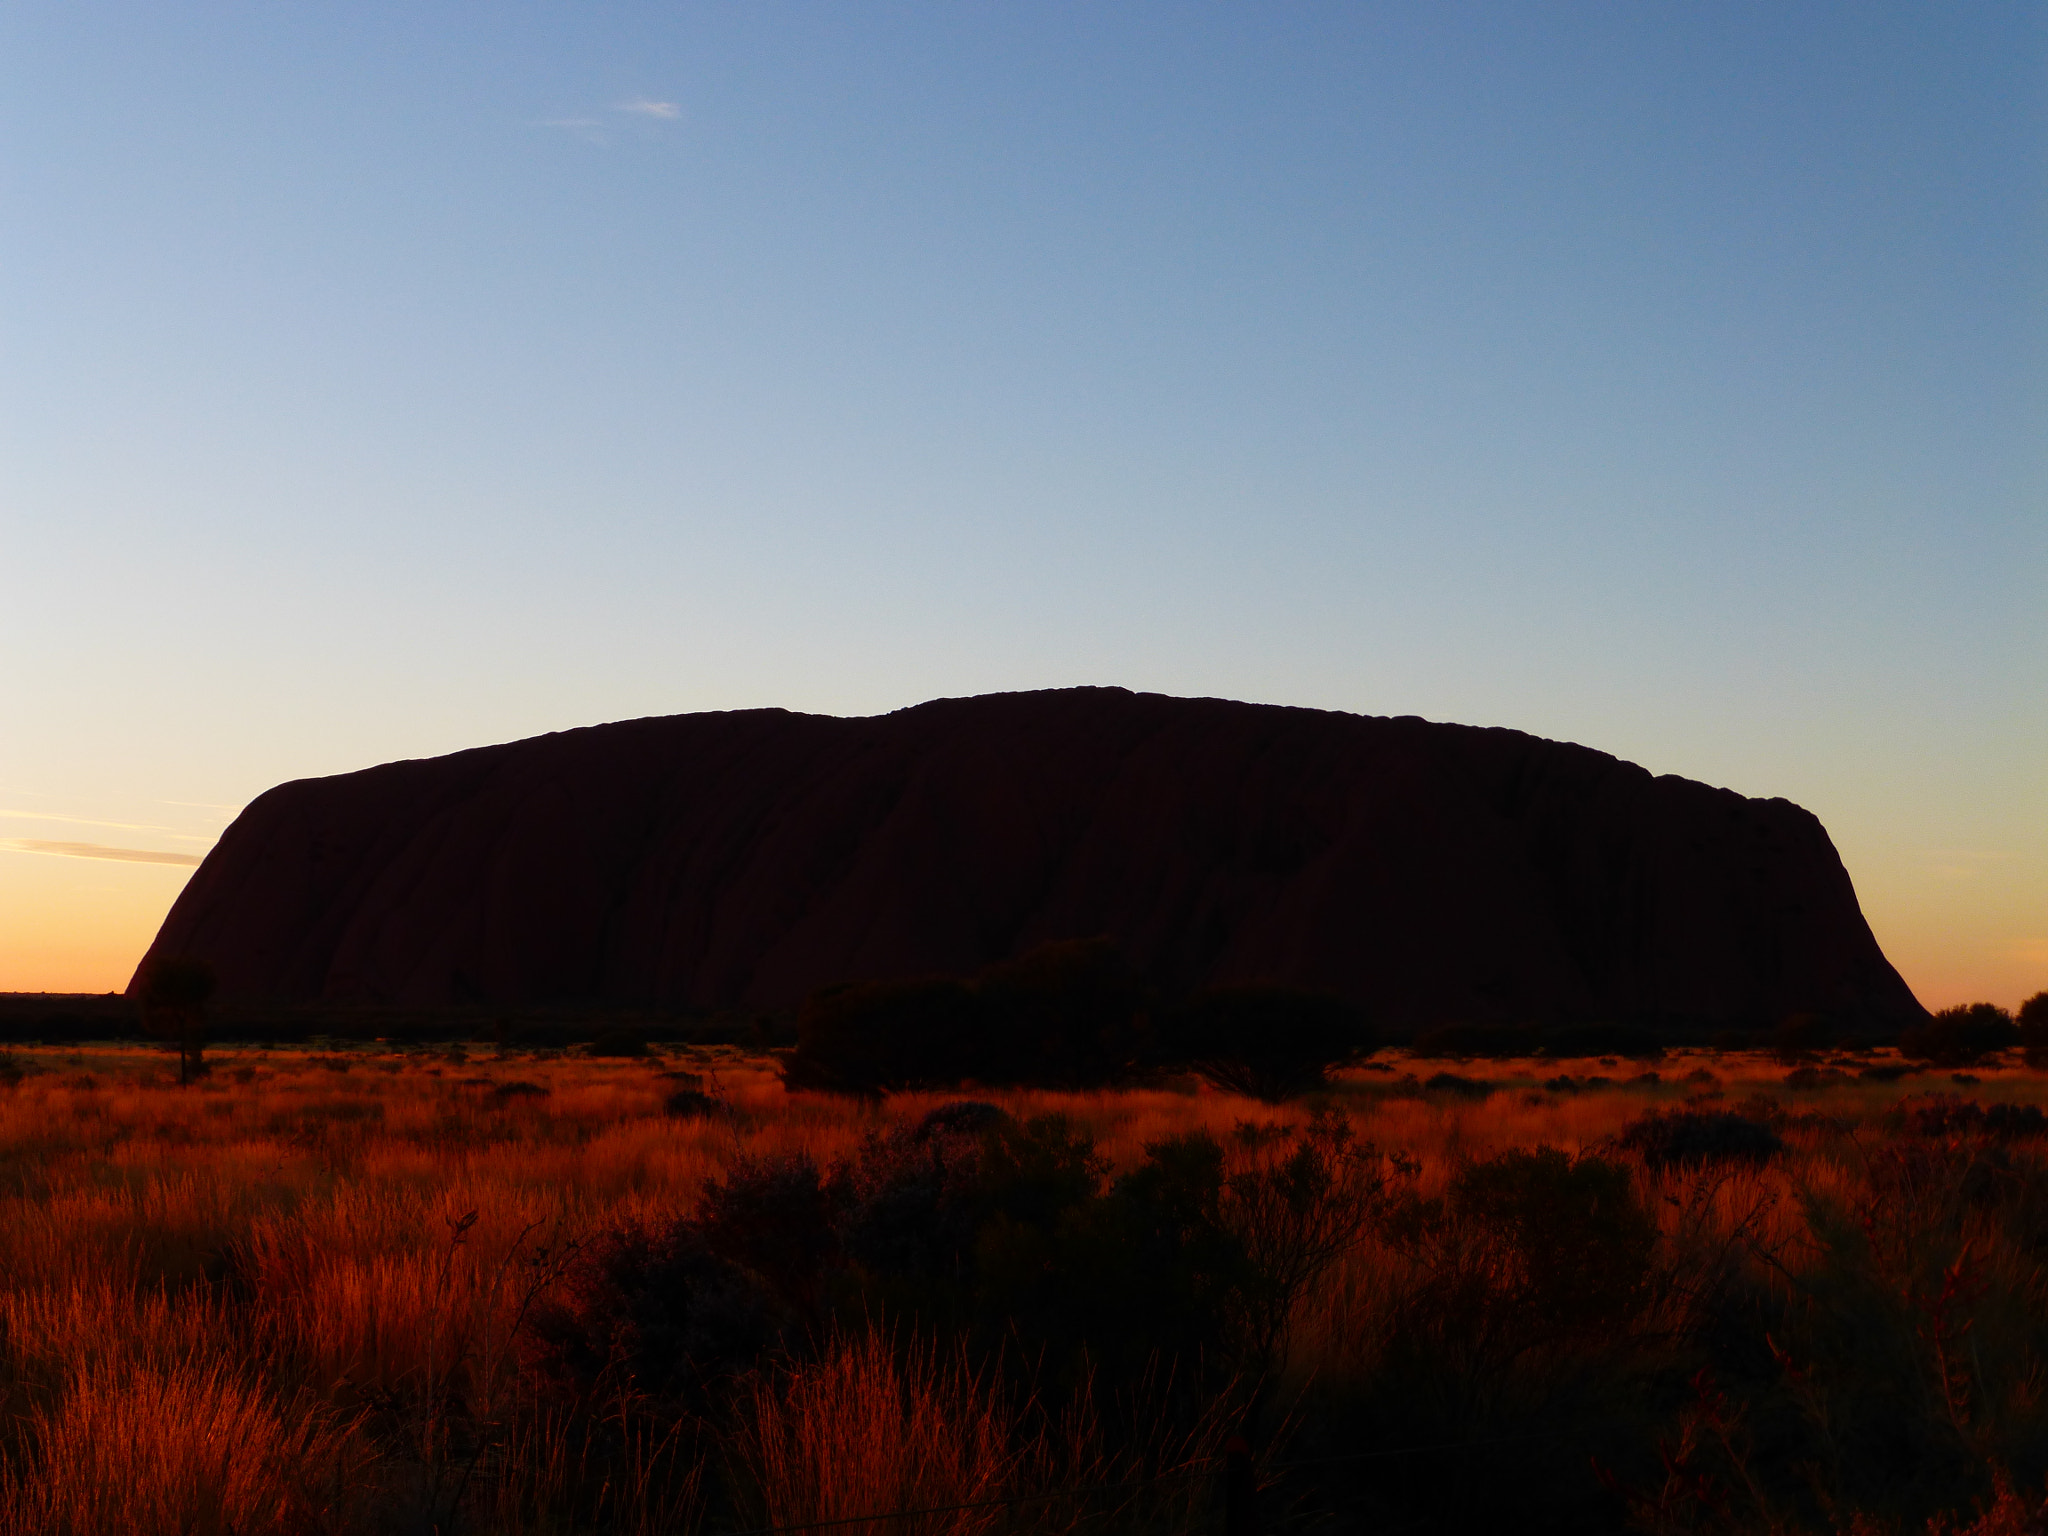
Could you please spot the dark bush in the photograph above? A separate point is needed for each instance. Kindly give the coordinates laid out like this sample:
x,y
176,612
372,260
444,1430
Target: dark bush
x,y
1530,1250
874,1037
971,1221
1063,1014
1809,1079
546,1035
914,1199
1944,1115
1884,1072
1264,1042
173,992
1961,1036
2012,1121
618,1043
654,1313
1690,1137
774,1216
1799,1035
2032,1022
1465,1042
1581,1239
520,1090
963,1117
690,1104
1462,1087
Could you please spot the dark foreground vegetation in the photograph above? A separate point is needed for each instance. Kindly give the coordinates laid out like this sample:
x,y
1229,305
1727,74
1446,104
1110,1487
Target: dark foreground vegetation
x,y
505,1289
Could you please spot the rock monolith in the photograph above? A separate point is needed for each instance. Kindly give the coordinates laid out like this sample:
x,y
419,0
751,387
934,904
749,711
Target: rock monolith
x,y
1428,872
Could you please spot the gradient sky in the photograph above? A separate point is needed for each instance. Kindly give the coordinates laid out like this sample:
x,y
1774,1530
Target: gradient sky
x,y
380,380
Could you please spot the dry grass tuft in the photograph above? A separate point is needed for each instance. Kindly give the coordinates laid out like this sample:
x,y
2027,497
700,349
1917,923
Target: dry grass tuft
x,y
262,1303
178,1449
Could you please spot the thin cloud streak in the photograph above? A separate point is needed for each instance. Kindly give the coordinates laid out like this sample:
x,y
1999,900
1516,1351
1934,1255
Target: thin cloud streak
x,y
668,111
87,821
97,851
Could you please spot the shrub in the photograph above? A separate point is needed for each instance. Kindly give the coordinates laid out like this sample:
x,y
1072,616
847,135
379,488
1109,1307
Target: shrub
x,y
1811,1079
1264,1042
773,1215
1960,1036
173,992
2032,1021
1799,1035
1462,1087
1532,1250
1691,1137
1578,1241
914,1199
653,1313
546,1035
968,1117
872,1037
1461,1042
1944,1115
690,1104
1063,1014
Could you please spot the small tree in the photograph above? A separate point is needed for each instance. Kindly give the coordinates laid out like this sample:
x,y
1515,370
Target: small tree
x,y
1267,1043
1961,1036
2033,1025
1799,1035
173,993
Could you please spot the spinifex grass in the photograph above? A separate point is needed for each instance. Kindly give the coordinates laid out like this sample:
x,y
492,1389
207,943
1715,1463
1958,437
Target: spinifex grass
x,y
288,1298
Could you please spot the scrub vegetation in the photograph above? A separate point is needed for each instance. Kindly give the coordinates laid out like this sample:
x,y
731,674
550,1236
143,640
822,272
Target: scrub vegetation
x,y
377,1288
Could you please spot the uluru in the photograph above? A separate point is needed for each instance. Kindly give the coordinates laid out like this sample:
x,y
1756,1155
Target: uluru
x,y
1427,872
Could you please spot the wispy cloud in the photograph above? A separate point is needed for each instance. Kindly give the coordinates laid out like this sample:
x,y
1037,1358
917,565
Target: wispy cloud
x,y
593,130
96,851
88,821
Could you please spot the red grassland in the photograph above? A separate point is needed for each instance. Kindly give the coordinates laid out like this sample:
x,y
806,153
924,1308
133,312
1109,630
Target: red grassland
x,y
292,1297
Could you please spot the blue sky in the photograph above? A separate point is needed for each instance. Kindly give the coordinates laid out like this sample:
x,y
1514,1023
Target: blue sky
x,y
381,380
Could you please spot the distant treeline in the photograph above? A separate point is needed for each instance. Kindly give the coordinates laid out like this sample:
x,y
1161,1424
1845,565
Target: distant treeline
x,y
1067,1014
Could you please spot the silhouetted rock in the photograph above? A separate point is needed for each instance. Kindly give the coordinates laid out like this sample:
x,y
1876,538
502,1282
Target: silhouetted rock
x,y
1425,872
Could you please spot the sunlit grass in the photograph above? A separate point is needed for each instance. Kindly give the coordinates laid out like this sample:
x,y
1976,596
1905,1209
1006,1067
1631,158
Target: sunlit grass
x,y
204,1291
